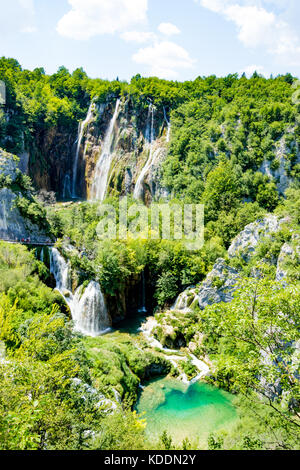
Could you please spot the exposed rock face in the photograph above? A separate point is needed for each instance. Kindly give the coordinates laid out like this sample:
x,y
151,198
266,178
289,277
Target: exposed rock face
x,y
51,158
8,164
246,242
290,253
286,252
279,170
219,285
129,148
13,226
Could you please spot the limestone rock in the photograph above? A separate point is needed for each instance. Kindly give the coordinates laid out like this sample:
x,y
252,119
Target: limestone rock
x,y
8,164
13,226
280,173
290,253
219,285
246,242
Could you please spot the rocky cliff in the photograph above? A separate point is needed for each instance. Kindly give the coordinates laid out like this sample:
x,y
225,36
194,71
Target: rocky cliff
x,y
20,215
139,137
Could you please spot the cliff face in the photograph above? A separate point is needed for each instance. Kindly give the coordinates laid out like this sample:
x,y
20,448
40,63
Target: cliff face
x,y
135,137
15,224
50,159
138,139
287,155
65,161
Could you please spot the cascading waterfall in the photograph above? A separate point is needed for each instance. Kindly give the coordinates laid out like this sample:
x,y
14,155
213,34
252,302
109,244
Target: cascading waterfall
x,y
90,313
99,185
67,187
61,272
149,136
168,125
88,308
81,128
143,308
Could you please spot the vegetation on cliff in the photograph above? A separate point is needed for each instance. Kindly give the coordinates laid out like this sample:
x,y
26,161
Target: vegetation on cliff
x,y
235,148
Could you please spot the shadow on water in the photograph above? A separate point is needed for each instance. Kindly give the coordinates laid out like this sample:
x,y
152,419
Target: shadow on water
x,y
132,324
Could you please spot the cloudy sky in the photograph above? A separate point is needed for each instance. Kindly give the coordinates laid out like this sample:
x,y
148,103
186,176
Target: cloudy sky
x,y
173,39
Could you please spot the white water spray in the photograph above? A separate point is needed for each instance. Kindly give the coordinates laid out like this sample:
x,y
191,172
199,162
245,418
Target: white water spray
x,y
81,128
67,187
168,125
149,136
143,308
99,185
88,308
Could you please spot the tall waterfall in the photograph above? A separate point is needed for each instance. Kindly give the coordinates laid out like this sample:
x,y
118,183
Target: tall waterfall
x,y
88,308
150,136
143,308
67,187
168,125
99,185
81,128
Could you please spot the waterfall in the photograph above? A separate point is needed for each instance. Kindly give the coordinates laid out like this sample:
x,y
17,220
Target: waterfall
x,y
149,136
143,308
182,302
88,308
61,271
90,313
67,187
185,300
81,128
99,185
168,125
201,366
42,255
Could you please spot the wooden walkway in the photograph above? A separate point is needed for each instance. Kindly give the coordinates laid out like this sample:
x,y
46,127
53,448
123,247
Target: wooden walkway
x,y
28,241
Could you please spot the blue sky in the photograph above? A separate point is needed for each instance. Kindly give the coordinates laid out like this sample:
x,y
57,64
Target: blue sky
x,y
173,39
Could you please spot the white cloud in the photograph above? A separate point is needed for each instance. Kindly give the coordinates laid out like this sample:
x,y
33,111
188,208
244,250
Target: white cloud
x,y
88,18
168,29
258,27
164,59
250,69
138,36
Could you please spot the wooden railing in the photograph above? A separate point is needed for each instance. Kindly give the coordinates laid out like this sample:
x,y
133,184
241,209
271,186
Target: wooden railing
x,y
28,241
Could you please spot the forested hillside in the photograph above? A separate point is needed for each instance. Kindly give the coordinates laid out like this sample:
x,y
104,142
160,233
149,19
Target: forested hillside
x,y
77,350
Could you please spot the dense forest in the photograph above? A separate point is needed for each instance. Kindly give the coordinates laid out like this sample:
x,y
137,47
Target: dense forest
x,y
234,146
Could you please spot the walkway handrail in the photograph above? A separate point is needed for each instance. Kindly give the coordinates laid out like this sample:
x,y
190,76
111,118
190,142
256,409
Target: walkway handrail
x,y
28,241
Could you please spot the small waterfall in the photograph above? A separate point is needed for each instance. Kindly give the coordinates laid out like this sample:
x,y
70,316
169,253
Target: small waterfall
x,y
150,137
61,271
201,366
182,302
90,313
81,128
67,187
88,308
99,185
168,125
185,300
143,308
42,255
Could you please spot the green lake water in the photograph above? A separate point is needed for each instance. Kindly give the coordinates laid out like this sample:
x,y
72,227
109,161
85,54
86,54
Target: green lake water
x,y
183,411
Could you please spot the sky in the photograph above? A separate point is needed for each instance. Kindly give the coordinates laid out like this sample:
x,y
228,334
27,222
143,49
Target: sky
x,y
171,39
